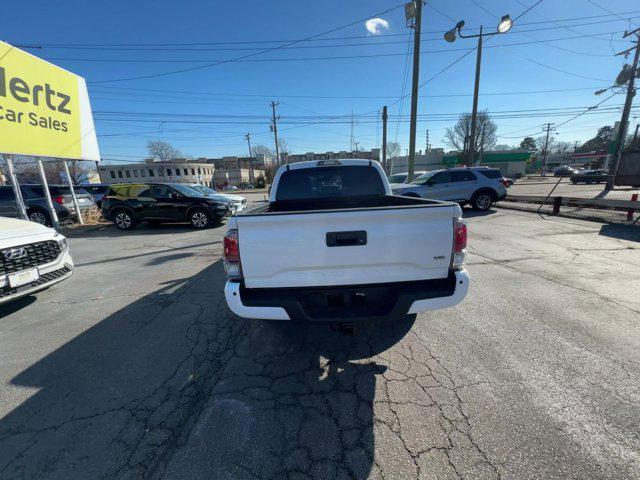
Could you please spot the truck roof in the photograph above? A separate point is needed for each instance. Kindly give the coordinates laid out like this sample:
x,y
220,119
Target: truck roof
x,y
327,163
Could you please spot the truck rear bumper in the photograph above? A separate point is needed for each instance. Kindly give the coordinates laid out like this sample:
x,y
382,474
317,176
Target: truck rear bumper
x,y
350,304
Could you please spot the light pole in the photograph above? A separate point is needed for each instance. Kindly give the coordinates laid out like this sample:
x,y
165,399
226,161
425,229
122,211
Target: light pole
x,y
503,27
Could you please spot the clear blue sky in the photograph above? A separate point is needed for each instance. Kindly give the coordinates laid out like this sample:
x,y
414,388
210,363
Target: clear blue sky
x,y
225,28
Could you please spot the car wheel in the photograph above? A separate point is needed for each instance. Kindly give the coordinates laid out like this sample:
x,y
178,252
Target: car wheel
x,y
482,201
40,217
123,220
199,219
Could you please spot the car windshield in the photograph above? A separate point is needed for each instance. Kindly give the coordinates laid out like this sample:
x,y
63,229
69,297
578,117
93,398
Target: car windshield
x,y
398,178
186,190
202,189
422,179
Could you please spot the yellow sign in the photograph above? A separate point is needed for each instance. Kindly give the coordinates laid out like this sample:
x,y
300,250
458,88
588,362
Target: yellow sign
x,y
44,109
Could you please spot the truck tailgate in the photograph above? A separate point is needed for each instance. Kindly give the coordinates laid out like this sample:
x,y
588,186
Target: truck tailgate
x,y
325,248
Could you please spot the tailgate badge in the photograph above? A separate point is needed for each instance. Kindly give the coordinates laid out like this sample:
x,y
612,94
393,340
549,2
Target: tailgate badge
x,y
439,257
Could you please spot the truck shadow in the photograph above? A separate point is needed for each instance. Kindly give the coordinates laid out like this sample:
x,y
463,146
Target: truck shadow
x,y
173,384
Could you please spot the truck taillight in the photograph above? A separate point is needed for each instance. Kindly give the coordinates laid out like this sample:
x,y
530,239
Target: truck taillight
x,y
459,243
459,236
59,199
231,247
231,255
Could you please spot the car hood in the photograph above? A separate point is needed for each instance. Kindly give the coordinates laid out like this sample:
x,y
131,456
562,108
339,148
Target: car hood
x,y
229,196
13,228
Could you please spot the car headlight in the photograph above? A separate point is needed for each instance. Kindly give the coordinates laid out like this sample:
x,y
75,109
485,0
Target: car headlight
x,y
62,241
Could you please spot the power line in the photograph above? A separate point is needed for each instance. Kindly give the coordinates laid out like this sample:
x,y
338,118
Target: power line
x,y
162,74
333,57
351,37
339,97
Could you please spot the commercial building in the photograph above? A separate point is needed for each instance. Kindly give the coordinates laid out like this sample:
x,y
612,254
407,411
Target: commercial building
x,y
512,163
428,161
373,154
178,171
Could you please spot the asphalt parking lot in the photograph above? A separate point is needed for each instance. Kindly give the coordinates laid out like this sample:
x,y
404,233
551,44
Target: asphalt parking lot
x,y
135,368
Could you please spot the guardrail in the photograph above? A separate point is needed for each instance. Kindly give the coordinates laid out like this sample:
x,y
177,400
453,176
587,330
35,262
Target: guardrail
x,y
629,206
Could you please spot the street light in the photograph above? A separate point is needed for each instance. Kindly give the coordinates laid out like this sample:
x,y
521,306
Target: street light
x,y
450,36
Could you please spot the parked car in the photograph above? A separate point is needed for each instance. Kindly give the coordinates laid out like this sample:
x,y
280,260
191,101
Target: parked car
x,y
32,258
97,191
398,179
229,188
480,187
127,204
564,171
36,203
239,203
334,245
247,186
589,176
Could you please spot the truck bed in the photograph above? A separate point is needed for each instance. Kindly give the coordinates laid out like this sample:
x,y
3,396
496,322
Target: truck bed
x,y
345,241
340,203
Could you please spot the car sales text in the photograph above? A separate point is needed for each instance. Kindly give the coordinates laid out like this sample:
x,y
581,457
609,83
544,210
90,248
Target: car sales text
x,y
36,95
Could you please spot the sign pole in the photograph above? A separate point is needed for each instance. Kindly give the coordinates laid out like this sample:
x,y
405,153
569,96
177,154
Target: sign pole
x,y
76,205
47,195
22,211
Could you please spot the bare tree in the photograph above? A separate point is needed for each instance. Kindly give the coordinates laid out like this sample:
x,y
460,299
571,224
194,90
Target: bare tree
x,y
162,151
502,147
393,149
262,150
457,136
540,142
562,147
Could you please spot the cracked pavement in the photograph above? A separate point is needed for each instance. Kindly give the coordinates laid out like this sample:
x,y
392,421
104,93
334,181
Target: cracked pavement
x,y
135,368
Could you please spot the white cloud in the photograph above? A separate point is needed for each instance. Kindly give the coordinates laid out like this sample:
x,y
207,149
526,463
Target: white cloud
x,y
375,26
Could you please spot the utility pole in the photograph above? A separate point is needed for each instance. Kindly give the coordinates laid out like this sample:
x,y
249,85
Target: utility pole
x,y
356,144
248,138
471,152
481,147
427,145
417,25
274,128
351,137
624,122
546,150
384,139
575,145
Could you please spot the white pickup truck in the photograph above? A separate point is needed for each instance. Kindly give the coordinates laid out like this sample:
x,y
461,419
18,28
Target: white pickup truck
x,y
335,245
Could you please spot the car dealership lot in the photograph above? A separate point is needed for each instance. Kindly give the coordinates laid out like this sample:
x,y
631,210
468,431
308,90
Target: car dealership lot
x,y
135,368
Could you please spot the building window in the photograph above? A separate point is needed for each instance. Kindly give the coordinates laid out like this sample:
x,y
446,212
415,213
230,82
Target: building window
x,y
168,172
159,172
199,171
193,171
135,173
186,171
143,173
112,173
151,173
119,173
177,172
127,173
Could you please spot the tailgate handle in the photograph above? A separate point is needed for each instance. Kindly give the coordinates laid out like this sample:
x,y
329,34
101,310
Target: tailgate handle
x,y
346,239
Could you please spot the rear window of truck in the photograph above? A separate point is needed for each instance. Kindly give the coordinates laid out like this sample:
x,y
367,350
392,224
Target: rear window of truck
x,y
333,181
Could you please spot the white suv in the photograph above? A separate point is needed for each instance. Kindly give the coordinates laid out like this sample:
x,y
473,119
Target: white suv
x,y
32,257
480,187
